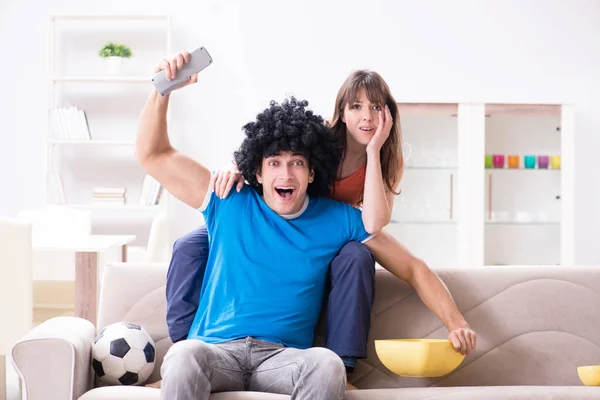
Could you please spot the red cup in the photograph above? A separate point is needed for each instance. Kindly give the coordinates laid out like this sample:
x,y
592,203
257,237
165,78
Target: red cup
x,y
498,160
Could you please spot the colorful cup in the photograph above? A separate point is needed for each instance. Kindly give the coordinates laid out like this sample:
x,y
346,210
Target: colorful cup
x,y
488,161
498,160
513,161
543,162
555,162
529,162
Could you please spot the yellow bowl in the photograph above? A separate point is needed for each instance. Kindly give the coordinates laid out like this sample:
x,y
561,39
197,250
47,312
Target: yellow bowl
x,y
423,358
589,375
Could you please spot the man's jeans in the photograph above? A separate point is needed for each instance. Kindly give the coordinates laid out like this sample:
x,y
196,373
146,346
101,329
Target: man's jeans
x,y
349,301
193,369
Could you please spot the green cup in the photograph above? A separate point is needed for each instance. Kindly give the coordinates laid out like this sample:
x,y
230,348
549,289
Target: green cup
x,y
488,161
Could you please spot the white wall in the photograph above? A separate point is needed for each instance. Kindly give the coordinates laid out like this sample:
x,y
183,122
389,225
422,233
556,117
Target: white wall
x,y
494,51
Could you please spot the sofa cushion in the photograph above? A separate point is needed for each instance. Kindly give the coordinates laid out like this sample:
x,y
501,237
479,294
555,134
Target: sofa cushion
x,y
478,393
431,393
535,325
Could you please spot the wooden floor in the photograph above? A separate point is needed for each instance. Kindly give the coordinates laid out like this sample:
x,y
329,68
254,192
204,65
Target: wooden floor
x,y
52,299
2,377
42,314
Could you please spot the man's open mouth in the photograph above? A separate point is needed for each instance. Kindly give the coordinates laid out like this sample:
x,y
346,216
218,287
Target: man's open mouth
x,y
284,193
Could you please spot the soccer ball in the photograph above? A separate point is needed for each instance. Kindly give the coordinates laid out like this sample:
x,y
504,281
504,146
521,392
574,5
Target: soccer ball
x,y
123,354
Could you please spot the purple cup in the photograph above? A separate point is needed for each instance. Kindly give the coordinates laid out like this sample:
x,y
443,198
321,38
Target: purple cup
x,y
543,161
498,160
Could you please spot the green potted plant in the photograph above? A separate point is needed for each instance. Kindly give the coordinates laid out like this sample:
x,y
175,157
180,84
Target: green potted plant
x,y
114,53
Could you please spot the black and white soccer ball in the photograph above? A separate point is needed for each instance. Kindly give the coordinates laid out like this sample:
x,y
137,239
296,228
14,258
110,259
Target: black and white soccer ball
x,y
123,354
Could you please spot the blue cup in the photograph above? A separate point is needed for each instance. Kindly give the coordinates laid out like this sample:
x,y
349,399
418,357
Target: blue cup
x,y
529,162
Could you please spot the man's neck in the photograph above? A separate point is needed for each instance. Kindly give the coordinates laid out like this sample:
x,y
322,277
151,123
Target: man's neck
x,y
295,214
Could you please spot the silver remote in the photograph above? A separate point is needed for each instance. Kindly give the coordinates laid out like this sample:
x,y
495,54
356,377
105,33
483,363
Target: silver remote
x,y
199,59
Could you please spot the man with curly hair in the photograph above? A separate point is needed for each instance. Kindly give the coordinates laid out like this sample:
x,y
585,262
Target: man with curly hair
x,y
270,248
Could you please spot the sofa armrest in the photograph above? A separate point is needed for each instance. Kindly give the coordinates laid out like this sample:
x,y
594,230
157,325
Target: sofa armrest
x,y
54,358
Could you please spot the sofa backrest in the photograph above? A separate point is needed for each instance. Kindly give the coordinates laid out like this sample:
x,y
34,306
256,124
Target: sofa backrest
x,y
535,324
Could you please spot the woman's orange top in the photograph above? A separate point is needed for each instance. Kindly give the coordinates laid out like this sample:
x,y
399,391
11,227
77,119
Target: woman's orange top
x,y
349,189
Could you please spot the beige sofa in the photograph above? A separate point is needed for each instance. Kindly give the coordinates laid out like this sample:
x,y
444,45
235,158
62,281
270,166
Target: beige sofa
x,y
535,325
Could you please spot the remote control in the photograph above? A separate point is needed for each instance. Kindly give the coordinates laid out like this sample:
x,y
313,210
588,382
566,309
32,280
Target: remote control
x,y
199,59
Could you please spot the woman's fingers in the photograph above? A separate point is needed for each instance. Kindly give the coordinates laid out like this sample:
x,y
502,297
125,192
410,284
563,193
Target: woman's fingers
x,y
213,180
463,340
240,182
218,184
226,184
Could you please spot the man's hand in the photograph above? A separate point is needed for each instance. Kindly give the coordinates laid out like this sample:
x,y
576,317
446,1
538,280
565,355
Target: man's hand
x,y
173,65
463,340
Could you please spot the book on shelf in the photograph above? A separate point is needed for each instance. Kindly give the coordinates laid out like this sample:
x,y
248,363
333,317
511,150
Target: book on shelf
x,y
151,192
56,189
110,191
109,196
69,124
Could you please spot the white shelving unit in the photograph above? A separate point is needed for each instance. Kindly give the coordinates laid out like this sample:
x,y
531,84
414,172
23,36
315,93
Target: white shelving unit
x,y
528,211
424,216
449,213
58,142
77,76
101,79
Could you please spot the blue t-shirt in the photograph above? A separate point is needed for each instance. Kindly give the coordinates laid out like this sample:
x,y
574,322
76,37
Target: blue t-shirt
x,y
266,274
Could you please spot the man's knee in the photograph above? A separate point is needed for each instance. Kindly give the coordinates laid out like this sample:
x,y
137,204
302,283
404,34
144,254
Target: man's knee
x,y
180,350
182,246
325,360
354,257
185,353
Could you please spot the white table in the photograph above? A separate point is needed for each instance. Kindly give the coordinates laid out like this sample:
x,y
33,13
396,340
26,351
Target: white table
x,y
87,250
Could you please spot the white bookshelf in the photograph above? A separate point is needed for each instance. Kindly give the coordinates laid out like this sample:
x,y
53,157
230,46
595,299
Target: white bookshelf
x,y
126,207
114,17
57,142
89,86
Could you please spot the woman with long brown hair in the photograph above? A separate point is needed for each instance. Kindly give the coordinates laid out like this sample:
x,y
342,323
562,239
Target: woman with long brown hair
x,y
367,125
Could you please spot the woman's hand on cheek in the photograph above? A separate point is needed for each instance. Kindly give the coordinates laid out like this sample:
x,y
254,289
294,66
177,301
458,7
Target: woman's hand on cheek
x,y
384,128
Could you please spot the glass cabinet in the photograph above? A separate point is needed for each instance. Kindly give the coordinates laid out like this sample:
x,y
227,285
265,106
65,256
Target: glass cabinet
x,y
424,215
522,184
486,184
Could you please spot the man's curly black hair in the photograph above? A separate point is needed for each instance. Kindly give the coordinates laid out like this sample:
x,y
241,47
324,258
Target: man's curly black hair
x,y
289,126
